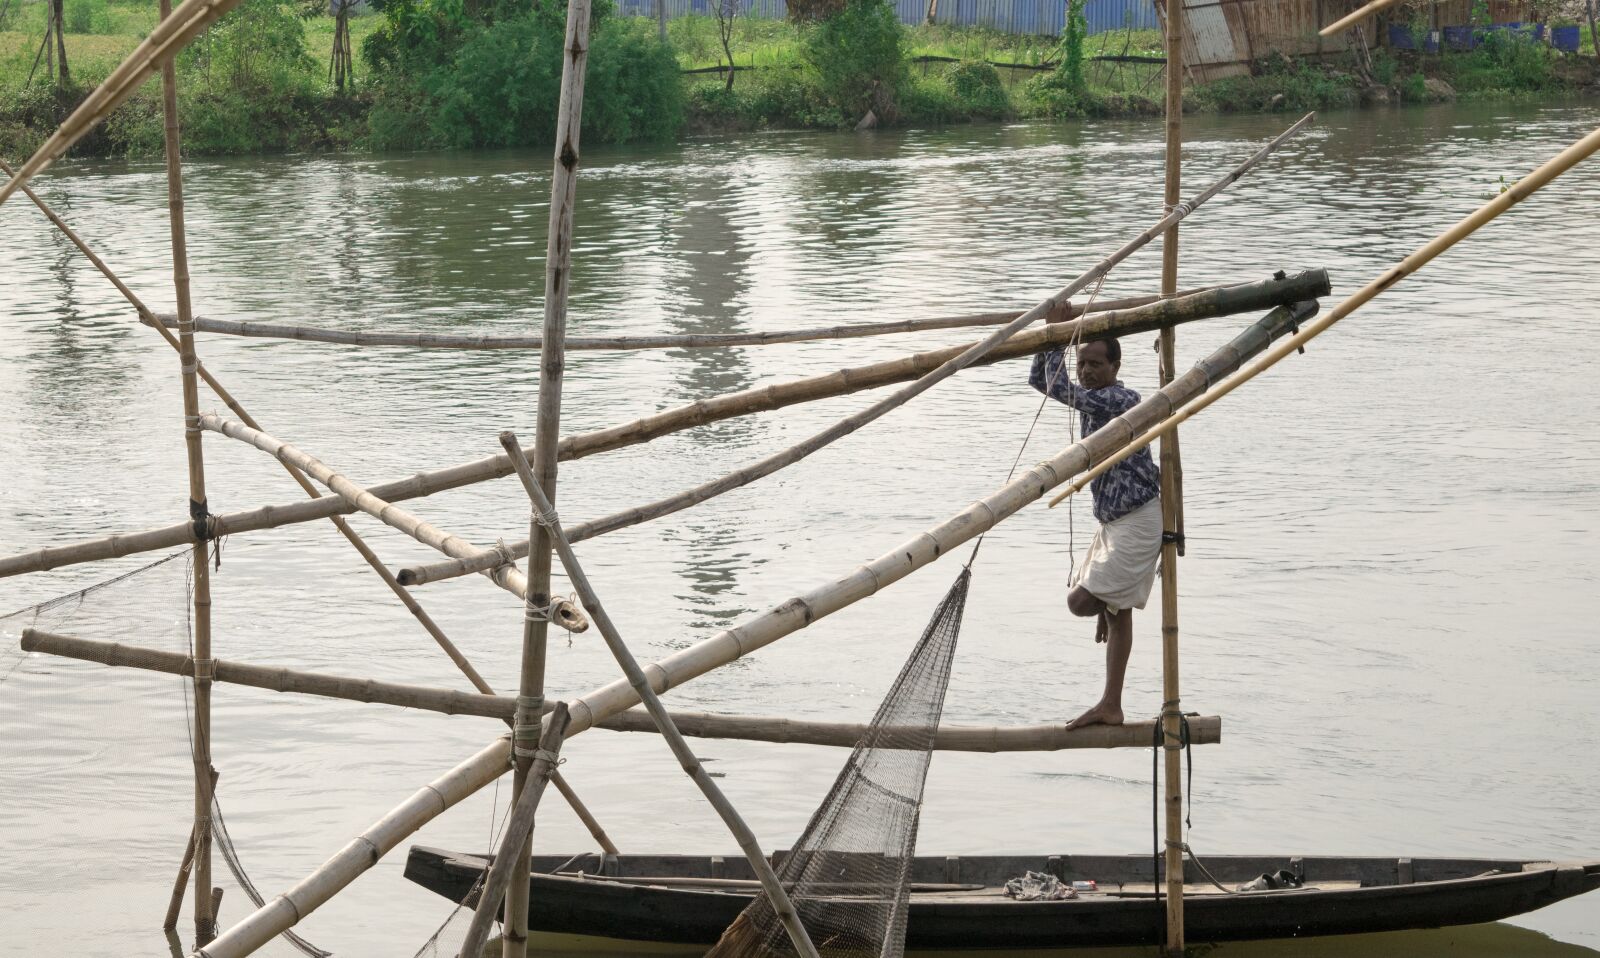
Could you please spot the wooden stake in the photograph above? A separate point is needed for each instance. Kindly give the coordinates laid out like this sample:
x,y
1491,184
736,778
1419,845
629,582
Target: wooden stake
x,y
1419,258
519,834
546,517
790,616
1171,502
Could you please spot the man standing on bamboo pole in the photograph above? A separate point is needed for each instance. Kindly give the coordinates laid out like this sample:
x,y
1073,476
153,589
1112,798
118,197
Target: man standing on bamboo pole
x,y
1120,566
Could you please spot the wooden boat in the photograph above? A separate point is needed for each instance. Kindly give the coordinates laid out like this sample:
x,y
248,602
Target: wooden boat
x,y
959,903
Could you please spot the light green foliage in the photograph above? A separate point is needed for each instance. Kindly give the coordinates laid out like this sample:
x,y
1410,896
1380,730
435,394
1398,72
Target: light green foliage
x,y
1503,62
1072,37
857,59
88,16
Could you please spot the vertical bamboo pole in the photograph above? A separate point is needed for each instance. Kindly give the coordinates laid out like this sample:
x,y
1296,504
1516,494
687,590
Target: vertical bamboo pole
x,y
547,440
1172,500
205,927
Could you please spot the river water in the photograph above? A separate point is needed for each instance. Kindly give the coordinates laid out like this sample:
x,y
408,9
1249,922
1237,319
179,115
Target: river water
x,y
1388,594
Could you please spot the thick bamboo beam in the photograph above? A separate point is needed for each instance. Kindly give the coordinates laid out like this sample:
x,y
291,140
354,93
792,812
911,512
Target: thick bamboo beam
x,y
313,334
512,857
1051,737
777,895
1172,502
644,429
491,762
1160,315
1355,17
1521,190
170,35
205,926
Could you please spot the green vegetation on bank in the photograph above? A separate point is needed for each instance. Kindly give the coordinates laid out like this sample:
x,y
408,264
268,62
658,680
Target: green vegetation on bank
x,y
486,73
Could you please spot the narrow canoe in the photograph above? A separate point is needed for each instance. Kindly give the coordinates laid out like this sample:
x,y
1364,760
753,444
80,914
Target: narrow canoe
x,y
959,902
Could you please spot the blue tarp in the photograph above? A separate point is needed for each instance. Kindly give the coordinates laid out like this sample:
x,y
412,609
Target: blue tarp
x,y
1041,17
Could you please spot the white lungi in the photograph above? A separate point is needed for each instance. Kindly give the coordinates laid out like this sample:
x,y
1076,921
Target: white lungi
x,y
1120,567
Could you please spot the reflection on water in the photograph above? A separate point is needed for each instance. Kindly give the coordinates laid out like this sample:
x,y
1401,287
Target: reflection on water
x,y
1388,595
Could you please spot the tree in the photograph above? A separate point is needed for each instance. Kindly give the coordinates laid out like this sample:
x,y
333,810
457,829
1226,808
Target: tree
x,y
54,46
341,66
726,11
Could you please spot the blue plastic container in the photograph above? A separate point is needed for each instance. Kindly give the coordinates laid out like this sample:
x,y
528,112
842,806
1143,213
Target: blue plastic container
x,y
1565,39
1460,38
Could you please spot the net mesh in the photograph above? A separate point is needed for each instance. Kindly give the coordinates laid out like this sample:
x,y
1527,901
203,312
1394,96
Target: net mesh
x,y
147,715
849,874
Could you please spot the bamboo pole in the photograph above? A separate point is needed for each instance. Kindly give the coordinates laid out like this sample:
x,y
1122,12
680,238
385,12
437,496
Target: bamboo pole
x,y
170,35
644,429
1050,737
204,910
1172,504
1310,283
518,836
790,616
314,334
1159,315
1522,189
545,515
539,610
1355,17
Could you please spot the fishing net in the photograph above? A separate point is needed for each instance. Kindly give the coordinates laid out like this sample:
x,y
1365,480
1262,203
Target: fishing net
x,y
127,726
849,874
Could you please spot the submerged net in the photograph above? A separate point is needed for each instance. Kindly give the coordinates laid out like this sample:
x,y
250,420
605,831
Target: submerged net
x,y
849,874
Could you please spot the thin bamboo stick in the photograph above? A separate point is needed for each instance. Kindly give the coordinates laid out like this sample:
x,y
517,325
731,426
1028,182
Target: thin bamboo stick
x,y
1159,315
491,762
1355,17
518,836
170,35
1522,189
1050,737
547,438
644,429
584,815
1171,501
545,512
205,927
314,334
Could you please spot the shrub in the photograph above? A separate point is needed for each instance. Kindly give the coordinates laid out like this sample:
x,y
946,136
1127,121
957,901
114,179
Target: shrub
x,y
858,59
978,90
88,16
1072,37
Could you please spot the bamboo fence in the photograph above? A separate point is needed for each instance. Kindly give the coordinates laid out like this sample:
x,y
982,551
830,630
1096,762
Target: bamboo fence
x,y
314,334
641,430
1204,730
490,762
1159,315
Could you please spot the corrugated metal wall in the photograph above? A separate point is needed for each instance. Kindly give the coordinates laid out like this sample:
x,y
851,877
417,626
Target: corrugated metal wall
x,y
1046,17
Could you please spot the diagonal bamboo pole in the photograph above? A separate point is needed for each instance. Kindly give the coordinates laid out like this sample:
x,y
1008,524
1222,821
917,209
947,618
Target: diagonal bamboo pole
x,y
1205,730
1420,257
547,438
519,834
170,35
545,515
1355,17
314,334
792,615
205,927
1159,315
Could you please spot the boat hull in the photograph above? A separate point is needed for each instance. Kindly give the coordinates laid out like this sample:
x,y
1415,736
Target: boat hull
x,y
1343,896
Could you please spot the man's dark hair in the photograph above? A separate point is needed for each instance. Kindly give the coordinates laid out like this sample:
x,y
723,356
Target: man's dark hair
x,y
1113,350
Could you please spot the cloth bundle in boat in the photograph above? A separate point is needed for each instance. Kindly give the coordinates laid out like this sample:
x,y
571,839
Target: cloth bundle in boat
x,y
849,874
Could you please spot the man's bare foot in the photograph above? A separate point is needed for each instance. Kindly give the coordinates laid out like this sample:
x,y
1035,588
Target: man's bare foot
x,y
1101,714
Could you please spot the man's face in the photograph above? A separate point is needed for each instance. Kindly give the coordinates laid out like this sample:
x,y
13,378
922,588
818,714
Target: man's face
x,y
1094,369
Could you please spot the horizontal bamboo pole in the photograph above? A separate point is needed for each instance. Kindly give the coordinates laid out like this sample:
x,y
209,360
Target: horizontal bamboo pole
x,y
315,334
1207,304
170,35
1207,730
1355,17
644,429
1424,254
493,760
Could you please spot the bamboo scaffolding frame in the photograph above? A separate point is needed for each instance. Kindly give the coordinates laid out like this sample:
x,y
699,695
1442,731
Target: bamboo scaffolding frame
x,y
1204,730
1420,257
1356,16
641,430
205,927
512,856
545,515
1172,504
170,35
355,540
792,615
1159,315
315,334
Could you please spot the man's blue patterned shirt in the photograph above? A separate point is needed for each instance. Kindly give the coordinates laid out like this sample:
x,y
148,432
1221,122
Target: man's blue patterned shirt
x,y
1130,483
